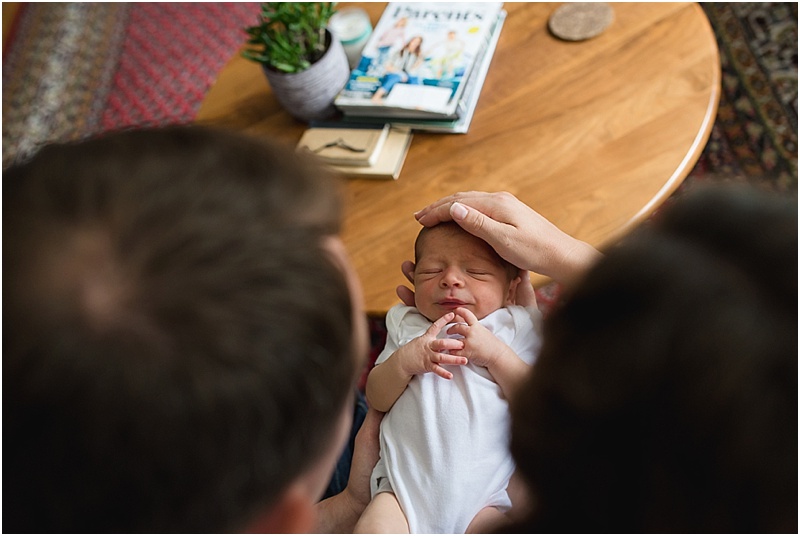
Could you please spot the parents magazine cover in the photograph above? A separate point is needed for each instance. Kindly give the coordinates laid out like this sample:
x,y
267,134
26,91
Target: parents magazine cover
x,y
418,60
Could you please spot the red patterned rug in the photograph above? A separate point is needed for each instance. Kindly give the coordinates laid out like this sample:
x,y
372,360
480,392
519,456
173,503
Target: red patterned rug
x,y
75,69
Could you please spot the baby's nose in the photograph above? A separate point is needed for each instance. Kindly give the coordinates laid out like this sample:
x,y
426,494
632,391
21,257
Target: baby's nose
x,y
452,277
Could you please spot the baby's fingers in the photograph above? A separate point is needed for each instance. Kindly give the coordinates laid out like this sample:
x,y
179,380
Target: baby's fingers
x,y
440,345
458,329
447,359
437,326
444,373
444,359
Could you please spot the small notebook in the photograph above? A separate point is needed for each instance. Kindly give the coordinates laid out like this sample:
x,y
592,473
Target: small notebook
x,y
359,147
390,160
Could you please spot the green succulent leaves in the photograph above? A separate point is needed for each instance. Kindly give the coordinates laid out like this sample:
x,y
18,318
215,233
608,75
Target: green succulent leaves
x,y
291,35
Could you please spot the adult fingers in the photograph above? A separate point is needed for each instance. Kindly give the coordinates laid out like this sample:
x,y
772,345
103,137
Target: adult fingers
x,y
407,267
498,205
439,210
479,224
436,212
526,295
406,295
481,215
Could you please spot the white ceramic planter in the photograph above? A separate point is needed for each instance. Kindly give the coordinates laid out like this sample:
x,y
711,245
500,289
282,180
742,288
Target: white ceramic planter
x,y
309,94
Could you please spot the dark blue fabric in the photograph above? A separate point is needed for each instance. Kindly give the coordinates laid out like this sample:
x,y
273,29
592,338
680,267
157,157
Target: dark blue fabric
x,y
342,471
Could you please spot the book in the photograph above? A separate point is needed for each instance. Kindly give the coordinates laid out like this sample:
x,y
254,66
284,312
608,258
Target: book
x,y
389,161
418,60
345,146
468,103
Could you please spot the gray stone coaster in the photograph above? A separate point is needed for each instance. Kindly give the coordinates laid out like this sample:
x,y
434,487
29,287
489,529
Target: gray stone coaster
x,y
577,21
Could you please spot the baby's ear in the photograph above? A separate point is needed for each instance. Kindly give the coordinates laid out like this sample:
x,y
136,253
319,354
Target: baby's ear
x,y
511,297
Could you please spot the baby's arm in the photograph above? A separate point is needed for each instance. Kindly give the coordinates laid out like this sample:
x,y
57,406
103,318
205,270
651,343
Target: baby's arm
x,y
482,348
387,381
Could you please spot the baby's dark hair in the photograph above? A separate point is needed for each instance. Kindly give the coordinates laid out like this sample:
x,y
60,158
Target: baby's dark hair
x,y
453,229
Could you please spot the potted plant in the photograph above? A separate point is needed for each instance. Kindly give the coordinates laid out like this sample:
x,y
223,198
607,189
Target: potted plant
x,y
305,64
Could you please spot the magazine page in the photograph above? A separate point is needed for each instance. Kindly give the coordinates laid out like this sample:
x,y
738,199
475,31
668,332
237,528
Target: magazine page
x,y
418,59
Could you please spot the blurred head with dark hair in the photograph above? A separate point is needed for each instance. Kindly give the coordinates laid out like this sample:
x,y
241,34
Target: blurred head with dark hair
x,y
665,395
178,346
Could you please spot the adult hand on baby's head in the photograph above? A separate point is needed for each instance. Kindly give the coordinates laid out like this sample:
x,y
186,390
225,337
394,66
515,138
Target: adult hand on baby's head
x,y
519,234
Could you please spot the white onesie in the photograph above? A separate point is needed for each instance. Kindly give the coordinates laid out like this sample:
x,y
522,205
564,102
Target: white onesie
x,y
444,443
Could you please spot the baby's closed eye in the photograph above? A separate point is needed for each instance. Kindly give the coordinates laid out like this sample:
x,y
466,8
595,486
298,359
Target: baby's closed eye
x,y
426,274
479,273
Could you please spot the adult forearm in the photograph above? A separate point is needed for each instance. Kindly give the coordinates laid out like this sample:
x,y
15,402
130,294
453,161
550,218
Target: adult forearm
x,y
573,263
338,514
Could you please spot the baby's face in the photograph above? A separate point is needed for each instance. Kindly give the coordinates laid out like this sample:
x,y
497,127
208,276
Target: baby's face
x,y
458,270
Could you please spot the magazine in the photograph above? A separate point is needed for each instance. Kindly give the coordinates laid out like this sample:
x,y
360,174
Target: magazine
x,y
418,60
468,103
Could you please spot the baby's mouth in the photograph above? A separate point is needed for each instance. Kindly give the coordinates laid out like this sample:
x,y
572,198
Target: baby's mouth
x,y
452,303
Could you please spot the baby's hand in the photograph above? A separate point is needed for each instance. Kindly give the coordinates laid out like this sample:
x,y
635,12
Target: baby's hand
x,y
424,354
481,347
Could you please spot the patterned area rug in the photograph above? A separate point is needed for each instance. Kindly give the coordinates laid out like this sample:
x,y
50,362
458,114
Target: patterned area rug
x,y
75,69
755,135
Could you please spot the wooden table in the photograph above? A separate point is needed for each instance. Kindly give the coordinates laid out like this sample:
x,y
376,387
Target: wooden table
x,y
594,135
